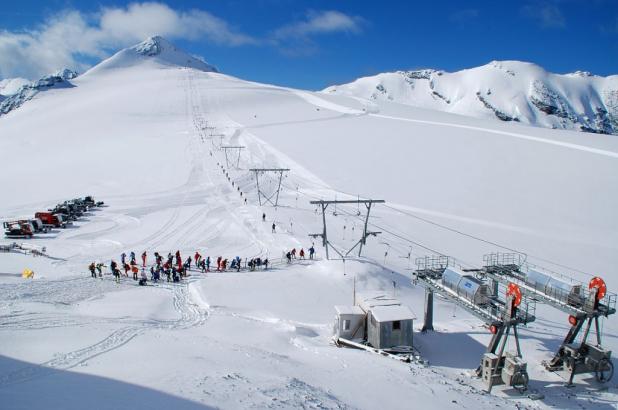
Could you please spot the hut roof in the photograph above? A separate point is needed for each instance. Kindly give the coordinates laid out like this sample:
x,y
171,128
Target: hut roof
x,y
392,313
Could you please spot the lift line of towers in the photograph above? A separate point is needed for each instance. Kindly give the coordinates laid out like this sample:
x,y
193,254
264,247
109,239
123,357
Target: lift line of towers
x,y
502,293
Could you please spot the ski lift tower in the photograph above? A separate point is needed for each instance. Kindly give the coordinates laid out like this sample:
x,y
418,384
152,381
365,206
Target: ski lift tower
x,y
583,304
502,311
225,148
362,241
221,137
261,194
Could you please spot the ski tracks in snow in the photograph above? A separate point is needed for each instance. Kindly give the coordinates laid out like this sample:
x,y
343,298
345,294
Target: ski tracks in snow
x,y
191,314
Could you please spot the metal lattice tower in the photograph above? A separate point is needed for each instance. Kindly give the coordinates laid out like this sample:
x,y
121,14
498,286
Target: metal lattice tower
x,y
261,194
225,148
362,241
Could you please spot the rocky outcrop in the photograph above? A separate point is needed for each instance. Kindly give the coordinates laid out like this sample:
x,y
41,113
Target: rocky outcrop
x,y
27,92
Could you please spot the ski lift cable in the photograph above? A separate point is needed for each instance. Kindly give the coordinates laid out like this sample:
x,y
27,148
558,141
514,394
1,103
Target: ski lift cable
x,y
489,242
474,237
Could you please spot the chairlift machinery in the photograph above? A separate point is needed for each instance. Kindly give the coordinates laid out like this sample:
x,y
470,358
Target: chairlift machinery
x,y
502,308
583,304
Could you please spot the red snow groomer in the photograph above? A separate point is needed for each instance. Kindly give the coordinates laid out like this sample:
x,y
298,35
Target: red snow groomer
x,y
18,229
51,220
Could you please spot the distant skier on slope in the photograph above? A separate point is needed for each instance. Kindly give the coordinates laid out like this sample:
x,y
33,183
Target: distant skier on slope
x,y
274,227
144,259
92,268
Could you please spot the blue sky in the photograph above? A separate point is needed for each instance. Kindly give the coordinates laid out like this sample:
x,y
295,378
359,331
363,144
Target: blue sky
x,y
313,44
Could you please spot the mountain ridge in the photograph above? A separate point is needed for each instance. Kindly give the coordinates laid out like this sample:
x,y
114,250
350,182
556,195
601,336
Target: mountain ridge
x,y
505,90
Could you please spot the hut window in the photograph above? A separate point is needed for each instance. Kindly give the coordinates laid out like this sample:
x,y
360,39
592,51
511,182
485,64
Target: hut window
x,y
346,324
397,325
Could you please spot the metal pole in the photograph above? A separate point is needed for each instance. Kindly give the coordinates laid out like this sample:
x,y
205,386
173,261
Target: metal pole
x,y
278,188
324,240
428,324
360,249
257,181
517,341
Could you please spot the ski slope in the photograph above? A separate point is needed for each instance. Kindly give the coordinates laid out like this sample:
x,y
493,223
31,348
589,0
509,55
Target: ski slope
x,y
130,133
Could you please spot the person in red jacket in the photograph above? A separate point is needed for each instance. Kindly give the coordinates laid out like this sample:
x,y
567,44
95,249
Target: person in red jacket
x,y
144,259
198,257
219,264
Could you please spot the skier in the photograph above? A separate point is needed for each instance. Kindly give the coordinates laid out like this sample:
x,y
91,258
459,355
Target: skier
x,y
144,259
274,226
224,264
311,252
208,264
132,257
293,253
263,214
302,253
100,269
188,263
91,267
123,258
143,279
198,257
127,268
288,255
238,264
219,263
135,270
114,268
266,264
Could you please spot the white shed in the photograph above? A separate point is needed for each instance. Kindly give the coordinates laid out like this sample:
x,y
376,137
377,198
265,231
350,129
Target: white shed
x,y
389,324
349,322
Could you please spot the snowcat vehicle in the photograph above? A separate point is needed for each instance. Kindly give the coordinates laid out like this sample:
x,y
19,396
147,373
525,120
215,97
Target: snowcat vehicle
x,y
51,220
15,229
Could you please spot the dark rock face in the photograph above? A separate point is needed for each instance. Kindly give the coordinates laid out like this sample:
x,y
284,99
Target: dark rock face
x,y
501,115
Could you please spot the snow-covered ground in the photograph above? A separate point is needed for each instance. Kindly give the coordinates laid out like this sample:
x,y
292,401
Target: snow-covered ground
x,y
129,133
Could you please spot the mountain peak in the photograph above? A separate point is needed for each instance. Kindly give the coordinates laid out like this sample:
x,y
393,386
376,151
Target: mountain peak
x,y
154,49
153,46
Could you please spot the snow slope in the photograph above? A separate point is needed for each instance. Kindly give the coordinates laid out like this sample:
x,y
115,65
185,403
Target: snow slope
x,y
504,90
132,132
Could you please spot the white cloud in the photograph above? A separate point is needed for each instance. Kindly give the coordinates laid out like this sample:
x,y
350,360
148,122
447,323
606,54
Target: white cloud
x,y
70,38
296,38
321,22
547,14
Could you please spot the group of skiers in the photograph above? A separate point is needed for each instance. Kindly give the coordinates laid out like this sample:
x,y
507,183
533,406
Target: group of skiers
x,y
173,267
301,254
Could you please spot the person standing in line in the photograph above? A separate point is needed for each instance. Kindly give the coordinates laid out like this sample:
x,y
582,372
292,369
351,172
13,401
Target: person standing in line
x,y
144,259
274,226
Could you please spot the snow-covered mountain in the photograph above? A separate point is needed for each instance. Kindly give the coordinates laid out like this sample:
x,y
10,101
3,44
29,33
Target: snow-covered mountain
x,y
144,131
155,50
10,86
503,90
30,90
